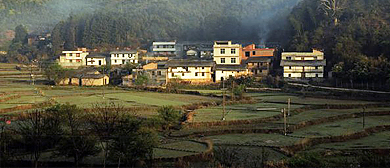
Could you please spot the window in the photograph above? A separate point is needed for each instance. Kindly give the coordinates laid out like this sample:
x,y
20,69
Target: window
x,y
196,67
233,60
78,60
202,67
159,73
222,60
123,61
182,74
196,73
115,61
222,51
247,54
233,51
289,67
153,73
288,58
316,75
173,74
78,55
253,52
315,58
289,75
70,60
202,73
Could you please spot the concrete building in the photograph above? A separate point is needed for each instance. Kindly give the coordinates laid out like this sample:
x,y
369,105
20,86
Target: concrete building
x,y
227,57
303,64
167,49
118,58
190,71
73,59
226,53
97,59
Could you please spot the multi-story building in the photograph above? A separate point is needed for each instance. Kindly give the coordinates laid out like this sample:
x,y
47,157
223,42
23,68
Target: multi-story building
x,y
259,66
226,53
303,64
73,59
97,59
118,58
190,71
258,60
227,57
164,49
253,51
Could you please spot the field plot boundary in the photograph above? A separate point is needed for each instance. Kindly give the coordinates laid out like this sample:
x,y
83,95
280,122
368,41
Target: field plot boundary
x,y
308,142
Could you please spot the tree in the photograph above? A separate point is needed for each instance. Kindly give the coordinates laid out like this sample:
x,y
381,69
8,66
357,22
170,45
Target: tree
x,y
20,35
239,91
76,141
132,143
104,120
56,73
36,131
6,141
169,116
142,80
332,9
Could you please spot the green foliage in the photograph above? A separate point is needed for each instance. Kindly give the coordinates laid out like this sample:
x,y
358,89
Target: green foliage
x,y
169,115
132,143
239,91
142,80
76,142
306,160
20,35
353,33
38,132
56,73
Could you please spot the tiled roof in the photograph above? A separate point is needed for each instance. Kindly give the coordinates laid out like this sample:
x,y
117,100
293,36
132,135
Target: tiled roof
x,y
189,63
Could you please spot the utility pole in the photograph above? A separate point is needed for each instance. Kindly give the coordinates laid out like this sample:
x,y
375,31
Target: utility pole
x,y
364,117
223,100
285,121
289,106
232,90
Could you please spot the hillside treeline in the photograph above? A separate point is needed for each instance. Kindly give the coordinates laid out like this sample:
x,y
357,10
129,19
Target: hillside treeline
x,y
355,35
136,23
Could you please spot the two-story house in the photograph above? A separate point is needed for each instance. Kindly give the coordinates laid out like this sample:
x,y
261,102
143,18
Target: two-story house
x,y
190,71
303,64
118,58
97,59
167,49
228,60
73,59
258,60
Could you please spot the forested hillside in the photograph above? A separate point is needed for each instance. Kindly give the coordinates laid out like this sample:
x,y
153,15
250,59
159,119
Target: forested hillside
x,y
135,23
145,19
355,35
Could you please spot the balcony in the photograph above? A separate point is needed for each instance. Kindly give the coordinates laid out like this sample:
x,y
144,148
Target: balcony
x,y
303,63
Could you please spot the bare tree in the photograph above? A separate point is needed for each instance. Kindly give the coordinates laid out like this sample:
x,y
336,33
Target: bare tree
x,y
332,9
104,119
